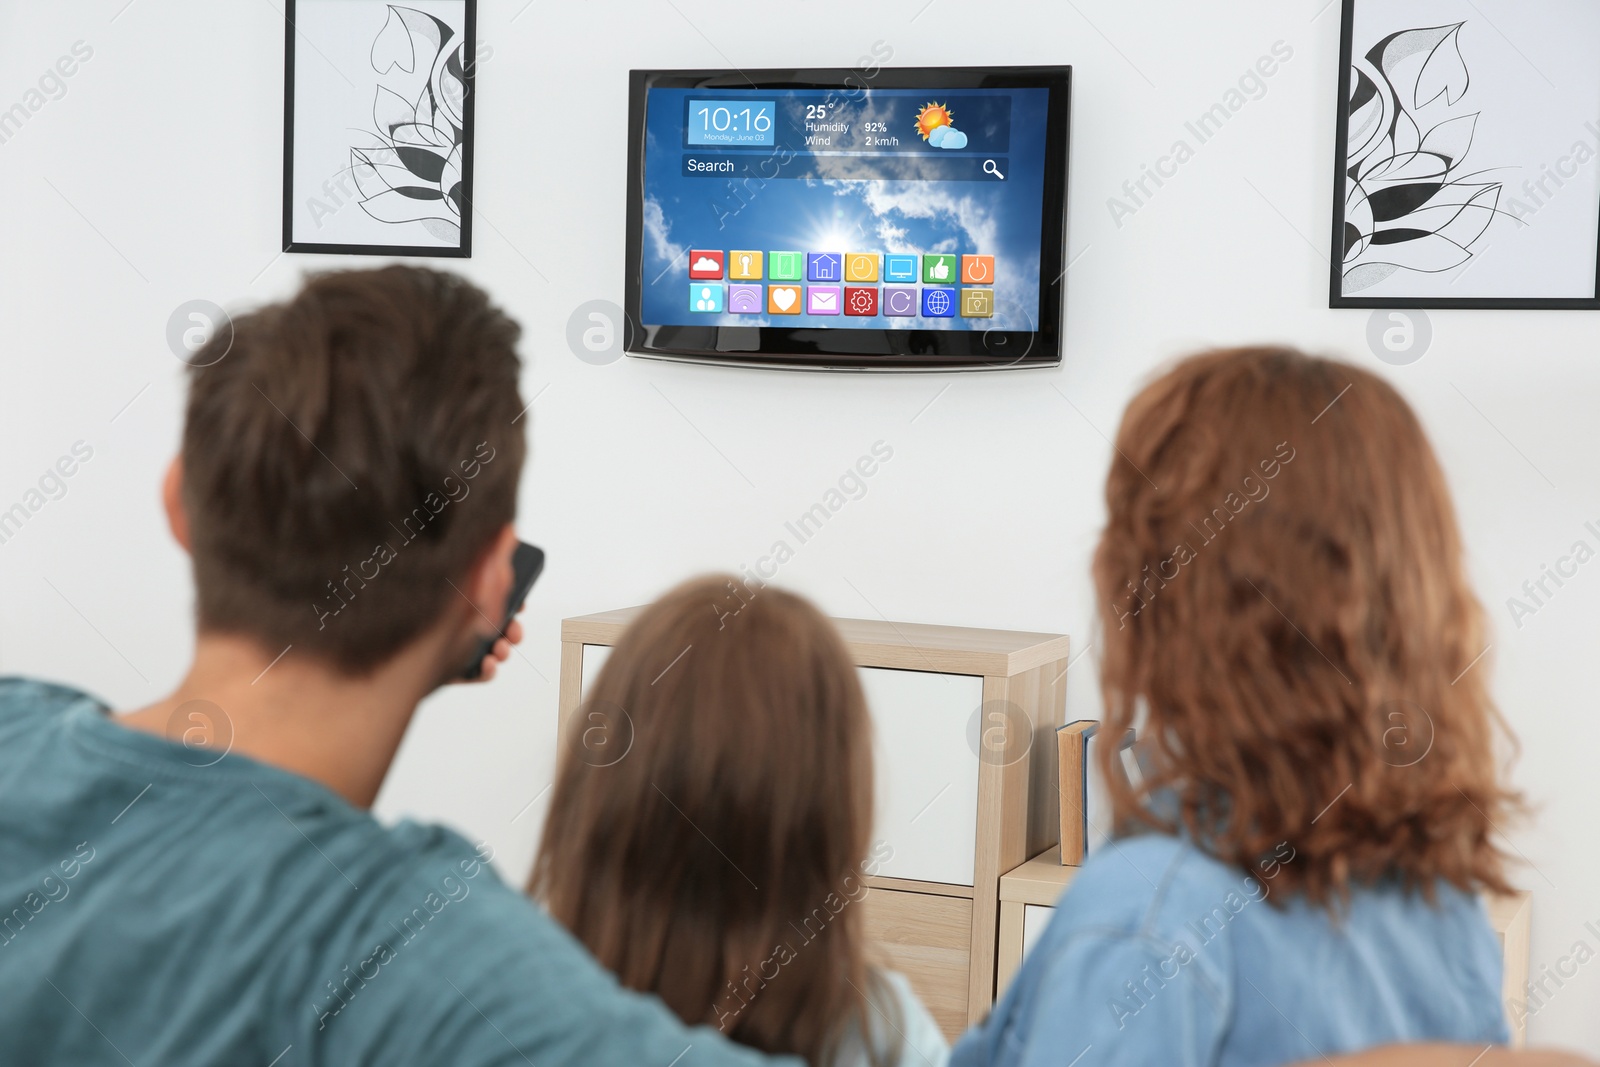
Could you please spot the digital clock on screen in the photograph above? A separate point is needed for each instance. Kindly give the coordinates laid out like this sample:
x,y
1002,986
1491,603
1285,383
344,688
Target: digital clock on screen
x,y
730,122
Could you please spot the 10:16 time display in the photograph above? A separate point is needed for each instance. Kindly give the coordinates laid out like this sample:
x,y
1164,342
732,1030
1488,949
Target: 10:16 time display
x,y
724,120
730,122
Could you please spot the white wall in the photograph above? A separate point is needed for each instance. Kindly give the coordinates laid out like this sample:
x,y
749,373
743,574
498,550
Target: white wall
x,y
155,180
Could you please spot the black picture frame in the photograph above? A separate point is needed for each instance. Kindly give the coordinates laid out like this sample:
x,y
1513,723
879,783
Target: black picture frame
x,y
1336,244
468,142
861,349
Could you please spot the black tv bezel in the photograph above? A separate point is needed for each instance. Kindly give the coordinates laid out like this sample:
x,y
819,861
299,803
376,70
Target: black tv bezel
x,y
861,349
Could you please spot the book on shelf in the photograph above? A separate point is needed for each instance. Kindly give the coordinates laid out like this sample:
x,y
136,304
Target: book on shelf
x,y
1085,809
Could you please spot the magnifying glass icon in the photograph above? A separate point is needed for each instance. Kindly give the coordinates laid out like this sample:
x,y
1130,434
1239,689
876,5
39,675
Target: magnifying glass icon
x,y
990,168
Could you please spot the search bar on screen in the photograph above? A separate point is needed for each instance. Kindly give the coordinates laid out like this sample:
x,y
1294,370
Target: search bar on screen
x,y
866,167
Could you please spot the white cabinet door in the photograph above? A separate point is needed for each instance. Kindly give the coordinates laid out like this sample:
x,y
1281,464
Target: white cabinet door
x,y
927,772
1035,917
594,657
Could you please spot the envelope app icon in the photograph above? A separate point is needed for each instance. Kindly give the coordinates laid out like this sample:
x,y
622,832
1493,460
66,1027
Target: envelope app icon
x,y
822,300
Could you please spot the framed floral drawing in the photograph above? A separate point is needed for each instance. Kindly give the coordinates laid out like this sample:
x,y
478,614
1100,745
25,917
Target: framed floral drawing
x,y
378,128
1467,160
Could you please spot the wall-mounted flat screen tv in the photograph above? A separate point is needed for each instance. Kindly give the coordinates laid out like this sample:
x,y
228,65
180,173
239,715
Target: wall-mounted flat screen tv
x,y
869,219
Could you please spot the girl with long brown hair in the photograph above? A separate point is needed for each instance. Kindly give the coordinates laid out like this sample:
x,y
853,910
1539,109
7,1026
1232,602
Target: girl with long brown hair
x,y
1286,621
708,836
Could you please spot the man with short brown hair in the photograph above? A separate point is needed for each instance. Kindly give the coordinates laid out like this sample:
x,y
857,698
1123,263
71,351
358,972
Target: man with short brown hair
x,y
200,881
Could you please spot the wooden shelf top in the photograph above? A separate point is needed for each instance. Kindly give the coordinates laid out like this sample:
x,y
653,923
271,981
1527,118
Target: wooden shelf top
x,y
899,645
1504,910
1041,880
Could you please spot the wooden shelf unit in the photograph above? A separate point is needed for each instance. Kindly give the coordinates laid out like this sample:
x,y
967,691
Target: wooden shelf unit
x,y
939,929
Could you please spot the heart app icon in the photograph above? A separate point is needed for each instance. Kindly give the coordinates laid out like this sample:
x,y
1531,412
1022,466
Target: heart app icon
x,y
784,299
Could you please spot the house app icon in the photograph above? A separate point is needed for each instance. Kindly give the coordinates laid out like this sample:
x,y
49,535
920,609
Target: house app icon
x,y
824,266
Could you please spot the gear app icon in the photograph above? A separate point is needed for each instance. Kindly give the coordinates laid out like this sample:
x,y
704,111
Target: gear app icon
x,y
860,301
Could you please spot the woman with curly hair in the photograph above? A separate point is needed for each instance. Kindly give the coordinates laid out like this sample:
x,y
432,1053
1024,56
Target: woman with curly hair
x,y
1287,624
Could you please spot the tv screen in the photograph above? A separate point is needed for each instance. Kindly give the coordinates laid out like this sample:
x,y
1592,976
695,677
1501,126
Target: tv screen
x,y
882,218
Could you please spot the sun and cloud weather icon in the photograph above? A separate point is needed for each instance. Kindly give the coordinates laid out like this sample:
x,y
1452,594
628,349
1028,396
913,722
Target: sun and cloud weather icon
x,y
937,127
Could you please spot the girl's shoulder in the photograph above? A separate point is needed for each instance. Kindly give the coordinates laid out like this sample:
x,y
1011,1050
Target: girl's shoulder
x,y
900,1032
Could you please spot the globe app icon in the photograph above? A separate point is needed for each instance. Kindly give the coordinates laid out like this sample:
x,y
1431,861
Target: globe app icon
x,y
938,303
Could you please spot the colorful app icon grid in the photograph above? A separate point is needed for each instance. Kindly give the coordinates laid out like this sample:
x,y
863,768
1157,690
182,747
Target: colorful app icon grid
x,y
938,297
